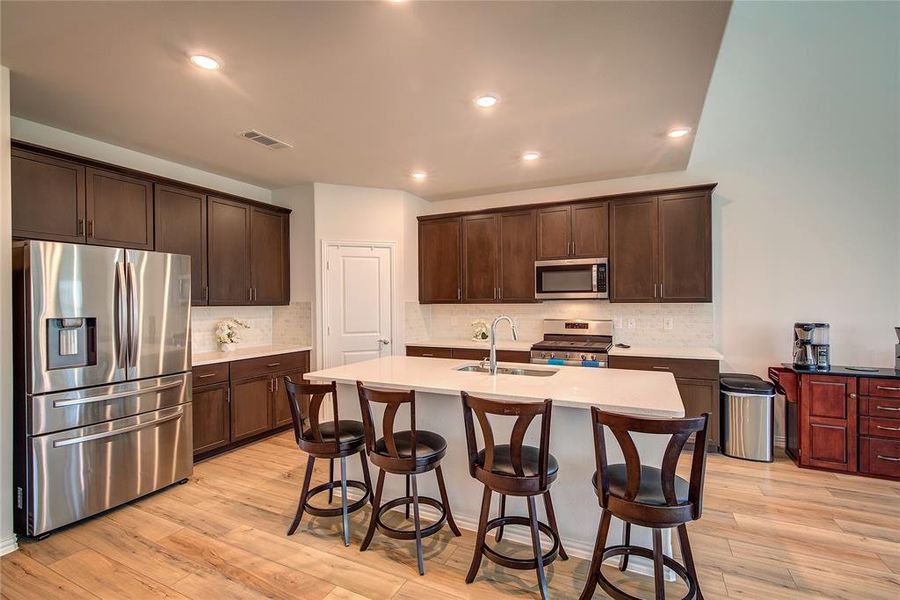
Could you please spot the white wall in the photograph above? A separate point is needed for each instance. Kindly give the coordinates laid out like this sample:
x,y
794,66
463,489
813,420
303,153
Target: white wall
x,y
349,213
801,130
7,538
65,141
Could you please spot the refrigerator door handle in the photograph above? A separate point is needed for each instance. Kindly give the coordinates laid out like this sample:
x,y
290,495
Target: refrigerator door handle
x,y
107,434
125,394
132,317
121,317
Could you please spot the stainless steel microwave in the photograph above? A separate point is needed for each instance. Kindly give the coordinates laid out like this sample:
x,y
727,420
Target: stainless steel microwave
x,y
571,279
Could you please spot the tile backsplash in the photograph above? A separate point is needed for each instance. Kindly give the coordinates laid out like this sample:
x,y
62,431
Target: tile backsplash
x,y
204,319
292,324
636,324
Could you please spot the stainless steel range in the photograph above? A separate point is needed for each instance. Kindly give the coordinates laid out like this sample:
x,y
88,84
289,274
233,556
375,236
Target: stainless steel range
x,y
574,342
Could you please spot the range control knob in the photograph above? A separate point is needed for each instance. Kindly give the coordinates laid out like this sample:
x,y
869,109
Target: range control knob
x,y
593,357
584,357
553,355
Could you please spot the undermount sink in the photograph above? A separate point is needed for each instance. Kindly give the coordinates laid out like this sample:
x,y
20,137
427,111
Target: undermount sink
x,y
509,371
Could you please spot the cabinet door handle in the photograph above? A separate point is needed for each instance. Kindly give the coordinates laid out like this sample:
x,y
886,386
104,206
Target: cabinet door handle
x,y
890,458
887,388
885,428
271,385
853,396
249,294
573,248
654,290
205,293
90,228
459,293
79,228
228,395
890,408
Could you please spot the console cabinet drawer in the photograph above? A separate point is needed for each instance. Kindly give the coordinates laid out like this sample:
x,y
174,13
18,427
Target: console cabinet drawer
x,y
685,368
209,374
882,388
879,457
882,428
516,356
265,365
879,407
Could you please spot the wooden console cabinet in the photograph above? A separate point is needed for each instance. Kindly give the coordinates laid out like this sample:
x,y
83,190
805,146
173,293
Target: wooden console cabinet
x,y
842,421
243,400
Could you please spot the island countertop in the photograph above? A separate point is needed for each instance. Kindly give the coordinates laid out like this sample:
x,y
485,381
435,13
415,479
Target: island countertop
x,y
636,392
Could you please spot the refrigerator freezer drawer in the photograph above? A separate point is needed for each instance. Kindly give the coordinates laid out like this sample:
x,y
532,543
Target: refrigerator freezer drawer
x,y
81,472
81,408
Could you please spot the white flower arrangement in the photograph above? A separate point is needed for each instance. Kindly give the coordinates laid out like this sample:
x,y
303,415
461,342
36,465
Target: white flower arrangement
x,y
479,330
227,333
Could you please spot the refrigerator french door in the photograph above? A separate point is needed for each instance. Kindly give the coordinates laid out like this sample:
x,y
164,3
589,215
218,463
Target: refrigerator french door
x,y
102,379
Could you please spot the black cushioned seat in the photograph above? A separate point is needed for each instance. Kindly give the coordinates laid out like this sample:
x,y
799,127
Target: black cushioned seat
x,y
650,492
429,445
530,457
351,432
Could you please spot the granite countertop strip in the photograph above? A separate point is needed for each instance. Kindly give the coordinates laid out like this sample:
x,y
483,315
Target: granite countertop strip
x,y
210,358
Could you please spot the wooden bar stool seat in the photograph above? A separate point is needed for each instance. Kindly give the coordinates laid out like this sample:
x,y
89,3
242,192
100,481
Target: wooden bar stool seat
x,y
648,496
334,439
410,453
513,469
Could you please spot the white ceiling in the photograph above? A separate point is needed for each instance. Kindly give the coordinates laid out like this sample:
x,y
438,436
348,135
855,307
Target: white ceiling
x,y
368,92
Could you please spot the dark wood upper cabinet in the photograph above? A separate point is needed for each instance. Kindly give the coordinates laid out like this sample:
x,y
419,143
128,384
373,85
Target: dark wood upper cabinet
x,y
180,228
685,248
481,258
229,252
440,261
633,226
554,233
590,230
119,210
47,198
269,257
517,231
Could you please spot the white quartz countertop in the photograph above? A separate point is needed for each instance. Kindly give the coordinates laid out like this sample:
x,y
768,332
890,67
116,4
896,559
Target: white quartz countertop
x,y
635,392
520,345
209,358
668,352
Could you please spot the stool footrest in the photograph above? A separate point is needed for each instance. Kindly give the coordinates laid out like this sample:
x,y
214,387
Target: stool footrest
x,y
671,563
520,563
338,511
410,534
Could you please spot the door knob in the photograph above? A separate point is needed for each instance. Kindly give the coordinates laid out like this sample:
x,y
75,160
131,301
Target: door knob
x,y
384,341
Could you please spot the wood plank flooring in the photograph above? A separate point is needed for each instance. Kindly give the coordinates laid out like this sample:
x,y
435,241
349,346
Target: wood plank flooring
x,y
768,531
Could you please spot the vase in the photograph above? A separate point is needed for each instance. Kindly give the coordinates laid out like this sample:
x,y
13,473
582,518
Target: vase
x,y
227,347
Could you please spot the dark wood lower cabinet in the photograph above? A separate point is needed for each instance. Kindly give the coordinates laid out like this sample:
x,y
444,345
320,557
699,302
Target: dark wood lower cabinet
x,y
211,418
242,401
828,416
701,396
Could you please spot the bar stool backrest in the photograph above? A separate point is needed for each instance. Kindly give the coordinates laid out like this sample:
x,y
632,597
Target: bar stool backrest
x,y
392,400
305,401
622,426
525,412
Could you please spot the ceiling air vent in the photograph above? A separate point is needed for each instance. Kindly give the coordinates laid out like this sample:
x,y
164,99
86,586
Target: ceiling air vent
x,y
264,140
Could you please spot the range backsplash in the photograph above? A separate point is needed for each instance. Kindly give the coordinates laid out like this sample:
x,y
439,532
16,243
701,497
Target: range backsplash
x,y
692,324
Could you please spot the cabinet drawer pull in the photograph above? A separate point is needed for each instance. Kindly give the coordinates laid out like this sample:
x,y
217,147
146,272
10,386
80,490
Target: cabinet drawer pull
x,y
662,368
885,428
206,375
887,388
429,355
890,458
891,408
270,365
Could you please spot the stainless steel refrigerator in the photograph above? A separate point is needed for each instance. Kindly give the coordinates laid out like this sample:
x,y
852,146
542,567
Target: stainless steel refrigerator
x,y
102,383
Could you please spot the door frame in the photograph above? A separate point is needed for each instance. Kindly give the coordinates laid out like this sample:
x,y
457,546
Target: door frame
x,y
391,247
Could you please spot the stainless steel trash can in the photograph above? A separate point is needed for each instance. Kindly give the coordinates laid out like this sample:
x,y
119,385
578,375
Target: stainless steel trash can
x,y
748,417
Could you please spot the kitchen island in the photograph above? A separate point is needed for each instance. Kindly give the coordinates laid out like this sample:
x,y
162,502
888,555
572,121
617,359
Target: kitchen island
x,y
574,390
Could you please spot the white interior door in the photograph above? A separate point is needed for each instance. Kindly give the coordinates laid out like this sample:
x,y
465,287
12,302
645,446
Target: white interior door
x,y
358,303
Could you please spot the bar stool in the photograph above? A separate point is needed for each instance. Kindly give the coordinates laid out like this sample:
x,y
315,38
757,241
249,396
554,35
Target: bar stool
x,y
647,496
331,439
410,453
517,470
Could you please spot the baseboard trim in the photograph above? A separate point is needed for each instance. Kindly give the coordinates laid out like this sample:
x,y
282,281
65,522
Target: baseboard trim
x,y
8,544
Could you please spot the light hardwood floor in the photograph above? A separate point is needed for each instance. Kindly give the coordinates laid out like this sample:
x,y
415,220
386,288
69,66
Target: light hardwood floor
x,y
768,531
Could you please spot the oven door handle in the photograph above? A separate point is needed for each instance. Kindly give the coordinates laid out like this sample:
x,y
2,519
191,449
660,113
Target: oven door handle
x,y
107,434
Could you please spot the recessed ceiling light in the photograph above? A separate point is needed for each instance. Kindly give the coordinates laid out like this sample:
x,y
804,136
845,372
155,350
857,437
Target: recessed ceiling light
x,y
487,101
678,132
419,175
531,155
205,62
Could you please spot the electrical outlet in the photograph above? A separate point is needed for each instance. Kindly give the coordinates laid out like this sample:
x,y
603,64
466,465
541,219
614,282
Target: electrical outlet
x,y
631,323
668,323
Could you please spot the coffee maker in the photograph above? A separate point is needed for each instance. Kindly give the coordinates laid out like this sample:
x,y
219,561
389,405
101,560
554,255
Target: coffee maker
x,y
811,348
